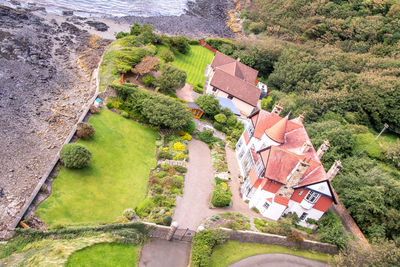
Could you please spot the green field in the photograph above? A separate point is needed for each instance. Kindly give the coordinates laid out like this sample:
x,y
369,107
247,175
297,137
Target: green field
x,y
374,149
233,251
194,63
116,179
107,255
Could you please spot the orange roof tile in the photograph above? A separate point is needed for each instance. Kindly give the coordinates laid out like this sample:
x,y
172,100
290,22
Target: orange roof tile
x,y
237,69
277,132
281,200
236,87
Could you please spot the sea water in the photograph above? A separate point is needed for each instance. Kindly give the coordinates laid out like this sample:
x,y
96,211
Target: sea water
x,y
101,8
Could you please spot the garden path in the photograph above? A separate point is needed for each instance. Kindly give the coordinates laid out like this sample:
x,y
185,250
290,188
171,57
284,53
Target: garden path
x,y
281,260
186,93
193,207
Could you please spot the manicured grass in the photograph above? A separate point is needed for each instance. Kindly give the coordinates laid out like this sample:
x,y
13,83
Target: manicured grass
x,y
106,254
233,251
194,63
123,154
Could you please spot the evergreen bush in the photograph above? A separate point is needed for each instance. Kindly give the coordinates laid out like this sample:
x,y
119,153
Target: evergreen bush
x,y
75,156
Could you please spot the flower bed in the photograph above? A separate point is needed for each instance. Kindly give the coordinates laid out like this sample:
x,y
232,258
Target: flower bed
x,y
231,220
166,182
174,147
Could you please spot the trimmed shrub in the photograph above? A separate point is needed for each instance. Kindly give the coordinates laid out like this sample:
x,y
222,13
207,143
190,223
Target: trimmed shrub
x,y
167,55
221,118
148,80
220,198
206,136
190,127
165,166
85,130
161,174
75,156
125,114
145,207
255,209
164,155
121,35
110,105
194,42
203,244
180,169
130,214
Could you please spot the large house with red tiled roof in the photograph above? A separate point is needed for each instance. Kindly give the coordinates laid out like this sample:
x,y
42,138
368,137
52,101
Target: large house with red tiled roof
x,y
282,170
231,79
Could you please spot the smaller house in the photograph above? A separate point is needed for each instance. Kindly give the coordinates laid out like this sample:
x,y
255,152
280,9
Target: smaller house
x,y
229,78
197,112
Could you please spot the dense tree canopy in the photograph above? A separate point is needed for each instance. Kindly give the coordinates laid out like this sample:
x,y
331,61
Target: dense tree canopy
x,y
171,78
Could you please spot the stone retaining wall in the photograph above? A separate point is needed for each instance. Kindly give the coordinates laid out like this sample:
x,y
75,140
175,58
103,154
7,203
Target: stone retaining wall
x,y
261,238
158,231
9,231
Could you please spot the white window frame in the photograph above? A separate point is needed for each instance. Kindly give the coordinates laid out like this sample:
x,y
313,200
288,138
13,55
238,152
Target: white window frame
x,y
266,205
250,129
303,216
239,143
312,197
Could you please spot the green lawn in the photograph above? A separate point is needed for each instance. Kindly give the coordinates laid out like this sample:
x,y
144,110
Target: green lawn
x,y
376,149
106,254
123,154
194,63
233,251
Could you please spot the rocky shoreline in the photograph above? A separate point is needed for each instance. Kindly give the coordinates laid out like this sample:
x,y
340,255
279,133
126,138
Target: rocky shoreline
x,y
47,63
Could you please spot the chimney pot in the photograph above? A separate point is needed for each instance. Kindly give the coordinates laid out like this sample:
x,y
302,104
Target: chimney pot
x,y
278,109
323,148
306,146
334,170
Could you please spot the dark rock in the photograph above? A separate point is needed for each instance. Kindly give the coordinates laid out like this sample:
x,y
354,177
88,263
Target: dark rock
x,y
99,26
68,13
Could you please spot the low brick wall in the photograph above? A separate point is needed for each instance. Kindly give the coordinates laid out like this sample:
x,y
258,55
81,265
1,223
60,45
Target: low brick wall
x,y
261,238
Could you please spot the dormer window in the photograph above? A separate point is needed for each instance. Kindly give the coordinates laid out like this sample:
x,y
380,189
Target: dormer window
x,y
312,197
250,130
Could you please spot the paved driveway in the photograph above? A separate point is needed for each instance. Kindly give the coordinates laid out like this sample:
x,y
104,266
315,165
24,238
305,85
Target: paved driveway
x,y
165,253
193,207
281,260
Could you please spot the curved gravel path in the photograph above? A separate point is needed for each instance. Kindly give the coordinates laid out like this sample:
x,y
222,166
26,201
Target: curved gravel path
x,y
281,260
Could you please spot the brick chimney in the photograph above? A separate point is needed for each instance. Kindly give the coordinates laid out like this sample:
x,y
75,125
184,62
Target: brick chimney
x,y
334,170
278,109
306,147
300,118
294,177
323,148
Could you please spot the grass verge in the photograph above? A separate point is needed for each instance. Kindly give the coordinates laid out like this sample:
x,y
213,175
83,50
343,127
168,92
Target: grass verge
x,y
116,179
223,254
117,255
